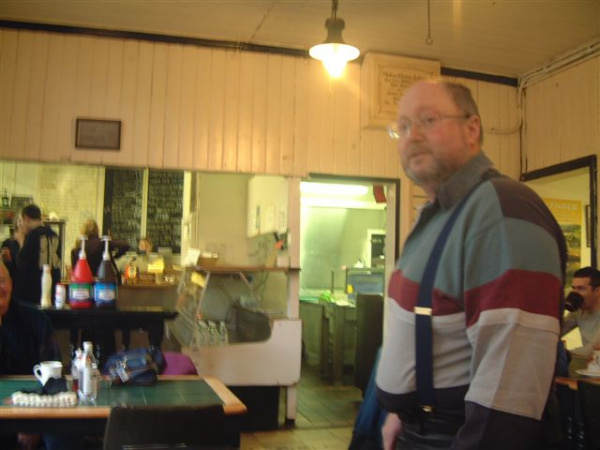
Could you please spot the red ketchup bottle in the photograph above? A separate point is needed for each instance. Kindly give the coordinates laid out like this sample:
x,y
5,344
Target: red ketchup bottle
x,y
80,288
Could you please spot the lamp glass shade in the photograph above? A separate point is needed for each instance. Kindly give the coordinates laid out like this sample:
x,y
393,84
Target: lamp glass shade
x,y
334,56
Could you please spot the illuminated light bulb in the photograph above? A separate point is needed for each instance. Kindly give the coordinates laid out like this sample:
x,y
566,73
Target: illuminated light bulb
x,y
334,53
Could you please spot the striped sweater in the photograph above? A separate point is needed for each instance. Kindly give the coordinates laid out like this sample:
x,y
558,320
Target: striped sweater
x,y
496,309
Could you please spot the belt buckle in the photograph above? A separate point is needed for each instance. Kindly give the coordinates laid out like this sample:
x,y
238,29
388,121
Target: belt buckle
x,y
428,409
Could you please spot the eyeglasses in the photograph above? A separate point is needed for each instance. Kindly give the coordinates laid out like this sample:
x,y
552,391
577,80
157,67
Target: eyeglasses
x,y
427,122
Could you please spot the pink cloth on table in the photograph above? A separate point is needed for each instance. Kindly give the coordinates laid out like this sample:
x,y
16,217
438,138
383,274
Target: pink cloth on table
x,y
178,364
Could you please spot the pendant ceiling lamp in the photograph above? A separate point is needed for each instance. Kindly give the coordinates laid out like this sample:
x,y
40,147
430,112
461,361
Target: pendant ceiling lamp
x,y
334,53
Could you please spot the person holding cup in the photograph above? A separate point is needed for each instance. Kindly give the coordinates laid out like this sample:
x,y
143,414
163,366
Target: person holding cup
x,y
585,313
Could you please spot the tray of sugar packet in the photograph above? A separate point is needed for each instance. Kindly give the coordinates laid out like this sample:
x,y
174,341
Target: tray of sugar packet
x,y
53,394
61,399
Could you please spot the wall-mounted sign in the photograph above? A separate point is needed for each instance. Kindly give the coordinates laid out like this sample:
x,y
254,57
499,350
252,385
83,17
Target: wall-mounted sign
x,y
384,78
98,134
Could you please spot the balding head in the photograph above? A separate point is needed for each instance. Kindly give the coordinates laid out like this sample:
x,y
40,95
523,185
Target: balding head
x,y
439,132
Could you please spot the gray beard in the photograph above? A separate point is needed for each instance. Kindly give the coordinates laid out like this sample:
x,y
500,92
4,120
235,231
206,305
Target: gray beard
x,y
433,178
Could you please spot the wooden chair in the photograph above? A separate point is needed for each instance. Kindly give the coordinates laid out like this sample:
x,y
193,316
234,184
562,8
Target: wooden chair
x,y
172,427
589,400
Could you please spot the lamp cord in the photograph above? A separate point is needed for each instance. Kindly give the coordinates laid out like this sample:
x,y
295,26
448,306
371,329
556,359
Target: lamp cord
x,y
334,7
429,40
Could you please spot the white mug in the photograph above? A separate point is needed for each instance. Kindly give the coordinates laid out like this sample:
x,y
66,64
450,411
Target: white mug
x,y
47,369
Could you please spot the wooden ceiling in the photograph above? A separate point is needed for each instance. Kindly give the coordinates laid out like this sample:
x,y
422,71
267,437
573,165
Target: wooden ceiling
x,y
500,37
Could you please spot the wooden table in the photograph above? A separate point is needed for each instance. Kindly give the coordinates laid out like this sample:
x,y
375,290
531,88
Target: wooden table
x,y
90,419
107,321
571,383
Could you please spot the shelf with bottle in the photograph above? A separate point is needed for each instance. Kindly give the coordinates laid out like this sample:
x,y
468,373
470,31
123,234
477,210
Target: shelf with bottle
x,y
226,296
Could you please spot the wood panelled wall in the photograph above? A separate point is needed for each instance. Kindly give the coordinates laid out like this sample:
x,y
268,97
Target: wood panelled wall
x,y
562,116
198,108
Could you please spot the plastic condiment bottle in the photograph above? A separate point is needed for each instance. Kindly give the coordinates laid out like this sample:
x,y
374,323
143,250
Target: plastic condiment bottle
x,y
80,289
46,298
223,333
105,289
88,374
130,273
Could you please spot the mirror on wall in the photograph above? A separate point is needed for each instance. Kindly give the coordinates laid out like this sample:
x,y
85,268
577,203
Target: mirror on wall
x,y
126,203
185,212
569,190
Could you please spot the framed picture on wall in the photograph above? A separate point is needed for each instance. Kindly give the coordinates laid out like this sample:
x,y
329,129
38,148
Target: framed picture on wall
x,y
17,202
588,224
98,134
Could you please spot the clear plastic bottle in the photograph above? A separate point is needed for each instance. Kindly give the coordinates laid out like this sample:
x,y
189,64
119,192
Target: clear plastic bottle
x,y
223,333
213,334
46,298
88,374
204,336
198,339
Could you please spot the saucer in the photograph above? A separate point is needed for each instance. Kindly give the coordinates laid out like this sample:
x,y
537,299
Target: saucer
x,y
587,373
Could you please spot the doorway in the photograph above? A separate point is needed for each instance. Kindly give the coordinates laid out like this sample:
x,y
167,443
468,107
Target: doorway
x,y
348,230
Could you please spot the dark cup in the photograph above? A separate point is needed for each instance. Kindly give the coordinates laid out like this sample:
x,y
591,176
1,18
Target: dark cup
x,y
573,301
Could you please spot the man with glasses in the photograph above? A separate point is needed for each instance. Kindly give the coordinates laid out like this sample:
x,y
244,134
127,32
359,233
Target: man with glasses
x,y
468,363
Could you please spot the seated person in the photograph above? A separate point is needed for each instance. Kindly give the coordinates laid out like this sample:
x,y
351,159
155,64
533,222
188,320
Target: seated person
x,y
145,246
586,282
26,338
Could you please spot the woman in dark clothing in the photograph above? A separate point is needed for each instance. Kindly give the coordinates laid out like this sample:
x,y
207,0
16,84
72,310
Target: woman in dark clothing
x,y
94,247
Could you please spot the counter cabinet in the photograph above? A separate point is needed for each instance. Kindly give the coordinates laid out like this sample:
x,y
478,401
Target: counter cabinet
x,y
341,338
264,349
220,294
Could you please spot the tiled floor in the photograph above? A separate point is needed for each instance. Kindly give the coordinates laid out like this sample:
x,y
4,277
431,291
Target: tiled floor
x,y
324,419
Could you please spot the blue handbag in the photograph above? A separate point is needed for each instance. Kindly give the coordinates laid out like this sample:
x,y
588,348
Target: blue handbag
x,y
138,366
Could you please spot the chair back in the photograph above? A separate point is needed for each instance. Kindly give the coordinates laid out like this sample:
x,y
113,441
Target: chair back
x,y
589,399
197,427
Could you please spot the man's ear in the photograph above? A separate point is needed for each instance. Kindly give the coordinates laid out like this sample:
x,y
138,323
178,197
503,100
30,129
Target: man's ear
x,y
473,130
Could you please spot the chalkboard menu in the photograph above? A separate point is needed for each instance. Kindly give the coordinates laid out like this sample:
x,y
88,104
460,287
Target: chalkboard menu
x,y
165,209
123,190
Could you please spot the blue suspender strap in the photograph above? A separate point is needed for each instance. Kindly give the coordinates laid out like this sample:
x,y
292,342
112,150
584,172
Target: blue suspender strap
x,y
423,314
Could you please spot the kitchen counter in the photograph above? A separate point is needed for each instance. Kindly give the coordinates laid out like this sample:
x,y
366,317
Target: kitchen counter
x,y
154,295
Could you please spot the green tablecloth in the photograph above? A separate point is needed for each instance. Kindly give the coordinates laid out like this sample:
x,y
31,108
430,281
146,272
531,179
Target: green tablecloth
x,y
164,393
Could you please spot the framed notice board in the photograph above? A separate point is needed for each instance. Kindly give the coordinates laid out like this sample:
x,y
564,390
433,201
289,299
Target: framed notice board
x,y
165,208
124,207
122,215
